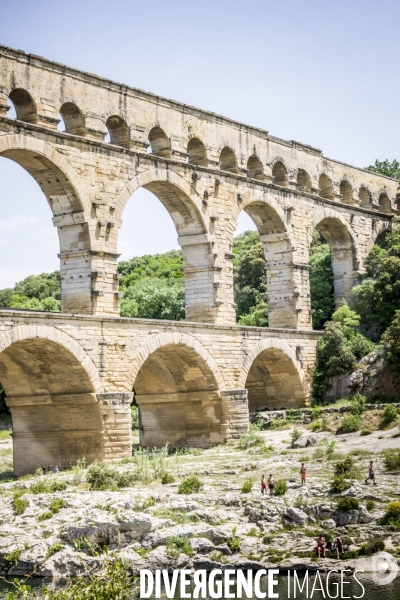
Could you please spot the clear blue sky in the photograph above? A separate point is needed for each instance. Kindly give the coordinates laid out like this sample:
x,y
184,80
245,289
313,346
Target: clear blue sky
x,y
324,72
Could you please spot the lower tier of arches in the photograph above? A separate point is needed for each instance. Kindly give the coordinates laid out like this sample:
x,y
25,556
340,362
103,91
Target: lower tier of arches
x,y
62,409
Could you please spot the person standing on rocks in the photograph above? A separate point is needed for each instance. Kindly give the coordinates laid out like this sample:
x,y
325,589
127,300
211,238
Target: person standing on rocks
x,y
371,473
271,485
303,473
263,485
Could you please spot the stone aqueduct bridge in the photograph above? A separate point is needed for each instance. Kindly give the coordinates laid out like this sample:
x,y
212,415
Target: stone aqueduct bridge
x,y
69,377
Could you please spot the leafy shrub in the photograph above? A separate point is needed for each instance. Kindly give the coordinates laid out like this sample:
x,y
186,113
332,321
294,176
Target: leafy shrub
x,y
45,515
390,414
53,549
339,484
391,459
19,504
391,338
316,425
318,453
316,413
191,485
330,450
345,467
281,487
296,434
247,486
46,486
234,541
112,581
371,547
357,405
178,545
57,504
349,424
167,478
249,440
392,514
11,559
103,477
345,504
370,505
360,345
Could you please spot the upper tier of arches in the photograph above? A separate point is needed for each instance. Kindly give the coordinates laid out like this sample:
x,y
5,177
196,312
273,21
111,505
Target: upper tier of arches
x,y
119,130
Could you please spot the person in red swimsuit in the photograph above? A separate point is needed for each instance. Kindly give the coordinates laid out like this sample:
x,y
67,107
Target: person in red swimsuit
x,y
263,485
303,473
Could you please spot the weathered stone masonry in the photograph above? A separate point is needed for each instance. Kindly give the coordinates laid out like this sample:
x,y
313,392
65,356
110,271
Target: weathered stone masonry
x,y
69,381
70,395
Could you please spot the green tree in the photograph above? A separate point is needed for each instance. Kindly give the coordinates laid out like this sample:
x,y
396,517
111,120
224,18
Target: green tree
x,y
250,280
339,347
152,298
384,167
257,317
39,286
377,297
321,280
157,266
391,338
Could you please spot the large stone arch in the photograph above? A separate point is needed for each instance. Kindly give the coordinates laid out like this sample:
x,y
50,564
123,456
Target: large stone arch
x,y
177,387
273,376
194,236
63,188
344,249
51,385
70,206
278,242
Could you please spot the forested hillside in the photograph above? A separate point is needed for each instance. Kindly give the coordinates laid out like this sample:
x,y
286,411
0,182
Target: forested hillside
x,y
153,285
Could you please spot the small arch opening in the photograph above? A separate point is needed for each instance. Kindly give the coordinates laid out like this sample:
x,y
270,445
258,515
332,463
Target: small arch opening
x,y
303,181
196,152
159,143
24,105
279,174
364,197
347,192
228,161
384,203
326,187
118,131
73,119
254,168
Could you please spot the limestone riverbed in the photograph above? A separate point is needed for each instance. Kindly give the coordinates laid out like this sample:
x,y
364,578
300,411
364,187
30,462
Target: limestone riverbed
x,y
151,525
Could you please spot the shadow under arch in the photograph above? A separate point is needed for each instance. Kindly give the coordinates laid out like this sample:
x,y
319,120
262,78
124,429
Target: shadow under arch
x,y
194,236
51,385
276,237
273,376
344,250
177,388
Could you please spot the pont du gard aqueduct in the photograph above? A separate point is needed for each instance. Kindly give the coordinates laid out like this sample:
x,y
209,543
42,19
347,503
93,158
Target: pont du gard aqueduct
x,y
70,377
